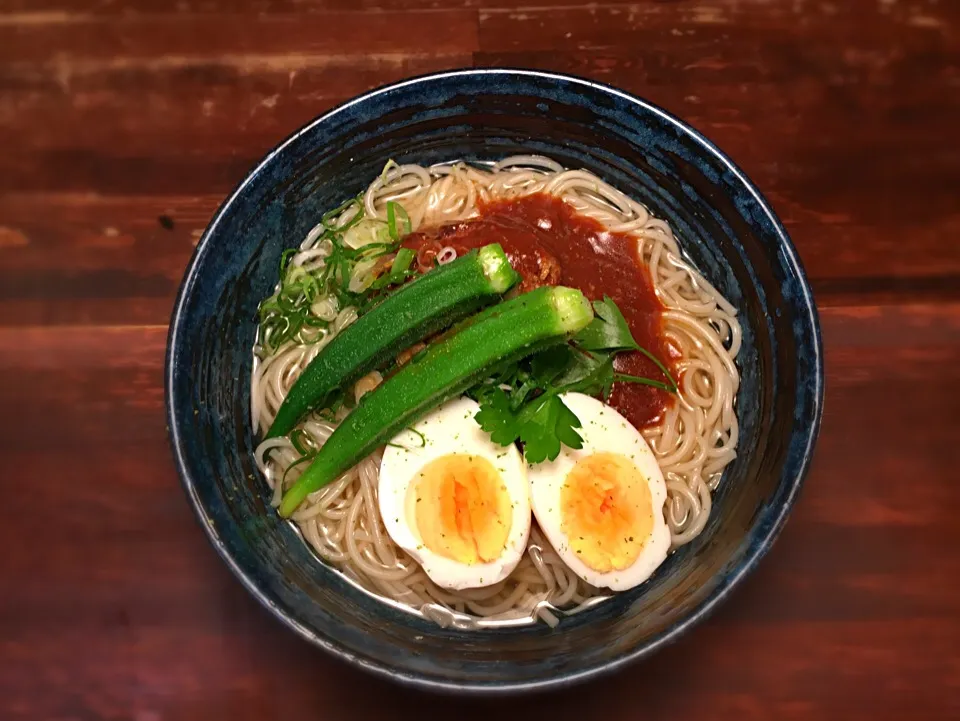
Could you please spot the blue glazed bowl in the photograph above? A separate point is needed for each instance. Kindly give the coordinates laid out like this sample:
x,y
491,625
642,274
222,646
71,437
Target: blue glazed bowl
x,y
726,228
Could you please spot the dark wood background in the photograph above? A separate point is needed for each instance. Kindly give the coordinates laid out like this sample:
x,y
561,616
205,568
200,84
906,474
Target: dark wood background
x,y
123,123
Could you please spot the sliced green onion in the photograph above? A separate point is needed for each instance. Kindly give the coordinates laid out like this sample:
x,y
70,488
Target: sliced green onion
x,y
392,220
402,263
353,221
315,322
299,462
370,251
407,225
423,441
285,257
288,310
393,211
391,165
297,438
331,215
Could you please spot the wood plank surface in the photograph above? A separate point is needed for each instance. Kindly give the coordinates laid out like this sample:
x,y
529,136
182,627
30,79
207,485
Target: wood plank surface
x,y
123,123
852,592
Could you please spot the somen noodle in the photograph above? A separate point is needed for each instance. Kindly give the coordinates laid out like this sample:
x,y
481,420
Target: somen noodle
x,y
695,440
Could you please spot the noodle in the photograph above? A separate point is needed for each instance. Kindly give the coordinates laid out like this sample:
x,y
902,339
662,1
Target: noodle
x,y
695,441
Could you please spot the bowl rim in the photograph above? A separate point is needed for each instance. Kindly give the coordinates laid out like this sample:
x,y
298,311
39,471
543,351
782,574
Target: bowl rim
x,y
752,556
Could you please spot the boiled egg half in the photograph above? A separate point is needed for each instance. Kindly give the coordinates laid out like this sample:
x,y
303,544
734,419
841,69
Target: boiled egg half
x,y
601,506
454,500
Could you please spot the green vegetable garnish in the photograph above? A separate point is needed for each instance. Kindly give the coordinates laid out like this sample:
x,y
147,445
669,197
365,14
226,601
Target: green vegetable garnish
x,y
532,412
542,425
609,332
399,270
495,339
395,210
287,314
432,302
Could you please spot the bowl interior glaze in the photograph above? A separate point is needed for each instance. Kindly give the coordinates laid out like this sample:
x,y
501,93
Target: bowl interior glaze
x,y
724,226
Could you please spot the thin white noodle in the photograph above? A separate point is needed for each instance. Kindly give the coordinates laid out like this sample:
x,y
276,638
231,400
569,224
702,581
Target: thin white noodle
x,y
694,441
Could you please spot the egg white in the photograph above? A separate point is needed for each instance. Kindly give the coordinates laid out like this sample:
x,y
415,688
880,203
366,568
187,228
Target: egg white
x,y
451,428
604,431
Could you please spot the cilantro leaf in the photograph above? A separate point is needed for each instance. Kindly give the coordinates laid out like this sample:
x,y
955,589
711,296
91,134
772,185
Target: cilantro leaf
x,y
608,330
497,418
557,368
565,425
548,364
593,375
524,387
545,424
542,424
531,410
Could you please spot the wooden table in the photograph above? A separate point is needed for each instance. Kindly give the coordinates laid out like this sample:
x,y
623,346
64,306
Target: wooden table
x,y
123,123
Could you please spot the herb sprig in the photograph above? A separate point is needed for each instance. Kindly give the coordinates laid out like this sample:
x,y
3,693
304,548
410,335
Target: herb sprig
x,y
523,404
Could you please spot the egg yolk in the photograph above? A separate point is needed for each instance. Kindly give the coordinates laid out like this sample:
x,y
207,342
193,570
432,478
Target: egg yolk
x,y
462,509
606,511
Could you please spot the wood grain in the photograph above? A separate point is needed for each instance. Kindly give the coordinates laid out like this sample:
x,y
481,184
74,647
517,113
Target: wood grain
x,y
112,114
123,124
69,258
853,587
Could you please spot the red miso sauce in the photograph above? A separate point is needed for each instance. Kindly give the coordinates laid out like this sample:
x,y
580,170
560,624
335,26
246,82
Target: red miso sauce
x,y
549,243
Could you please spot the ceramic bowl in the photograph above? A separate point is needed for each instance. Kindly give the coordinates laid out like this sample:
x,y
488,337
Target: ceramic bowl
x,y
725,227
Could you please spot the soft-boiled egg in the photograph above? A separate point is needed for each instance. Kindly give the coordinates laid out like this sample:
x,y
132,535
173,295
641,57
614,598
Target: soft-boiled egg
x,y
601,506
454,500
